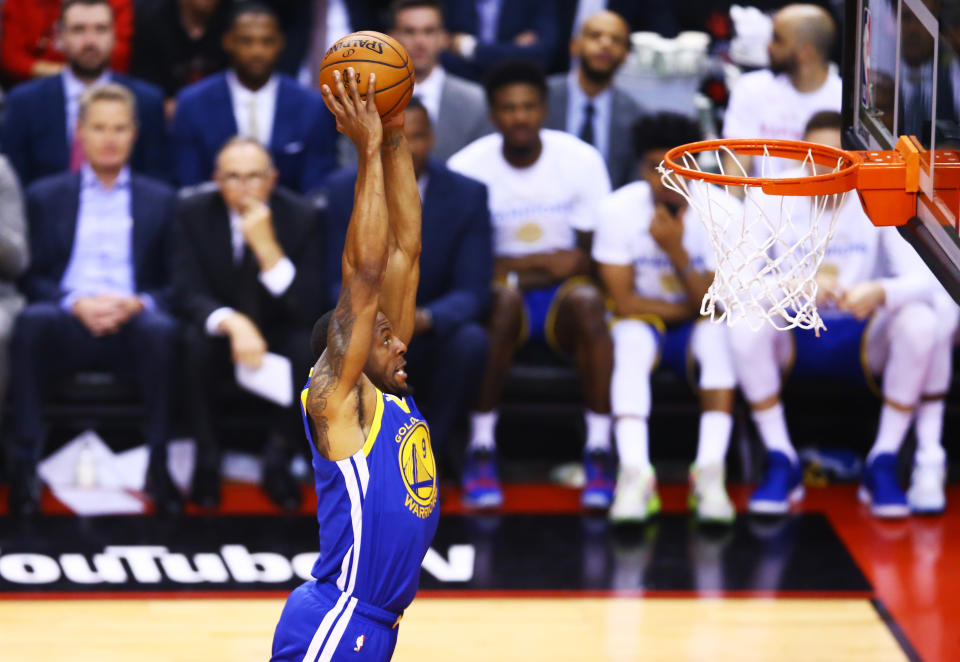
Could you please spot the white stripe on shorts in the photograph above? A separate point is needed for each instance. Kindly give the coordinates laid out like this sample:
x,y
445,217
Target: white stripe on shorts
x,y
314,649
356,515
327,653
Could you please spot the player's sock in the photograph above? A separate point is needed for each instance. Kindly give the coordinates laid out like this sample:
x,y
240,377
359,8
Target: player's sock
x,y
482,426
598,431
632,442
929,429
894,424
715,427
772,425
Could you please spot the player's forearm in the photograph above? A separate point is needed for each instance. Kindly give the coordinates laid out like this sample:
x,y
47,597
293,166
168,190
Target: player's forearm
x,y
668,311
367,241
403,195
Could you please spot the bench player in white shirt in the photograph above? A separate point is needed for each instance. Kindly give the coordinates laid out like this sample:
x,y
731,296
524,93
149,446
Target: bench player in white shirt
x,y
885,315
777,102
656,263
544,187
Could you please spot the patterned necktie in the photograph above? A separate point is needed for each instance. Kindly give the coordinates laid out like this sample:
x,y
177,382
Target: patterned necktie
x,y
586,129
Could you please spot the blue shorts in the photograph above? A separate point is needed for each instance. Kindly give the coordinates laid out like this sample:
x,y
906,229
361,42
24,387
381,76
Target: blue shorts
x,y
321,624
540,312
675,348
838,354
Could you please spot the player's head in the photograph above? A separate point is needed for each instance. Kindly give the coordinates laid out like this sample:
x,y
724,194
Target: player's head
x,y
652,136
107,126
253,41
418,25
517,97
386,363
86,36
602,45
416,126
244,173
803,35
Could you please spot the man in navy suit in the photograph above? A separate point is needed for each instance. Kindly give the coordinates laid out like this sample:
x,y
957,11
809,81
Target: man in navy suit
x,y
456,265
252,100
41,115
484,32
98,286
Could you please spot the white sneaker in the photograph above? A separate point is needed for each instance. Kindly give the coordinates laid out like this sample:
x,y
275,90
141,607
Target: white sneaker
x,y
926,494
635,498
708,494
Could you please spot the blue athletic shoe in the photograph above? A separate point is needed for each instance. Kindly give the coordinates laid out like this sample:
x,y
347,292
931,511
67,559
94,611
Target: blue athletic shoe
x,y
481,484
601,480
880,489
781,486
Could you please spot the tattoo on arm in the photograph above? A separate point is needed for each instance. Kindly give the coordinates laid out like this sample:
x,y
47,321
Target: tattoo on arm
x,y
327,371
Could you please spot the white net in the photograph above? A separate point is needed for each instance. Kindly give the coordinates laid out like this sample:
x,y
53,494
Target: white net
x,y
769,248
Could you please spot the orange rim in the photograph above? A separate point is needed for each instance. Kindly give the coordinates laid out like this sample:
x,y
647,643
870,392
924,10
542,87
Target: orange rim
x,y
840,181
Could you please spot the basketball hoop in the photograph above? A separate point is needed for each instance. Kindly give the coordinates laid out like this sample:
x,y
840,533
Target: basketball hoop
x,y
768,253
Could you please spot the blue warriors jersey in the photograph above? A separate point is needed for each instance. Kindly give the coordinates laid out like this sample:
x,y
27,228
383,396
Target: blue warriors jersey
x,y
377,510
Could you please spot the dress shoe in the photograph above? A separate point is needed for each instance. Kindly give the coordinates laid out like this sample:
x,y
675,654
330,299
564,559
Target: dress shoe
x,y
205,491
164,494
25,490
281,487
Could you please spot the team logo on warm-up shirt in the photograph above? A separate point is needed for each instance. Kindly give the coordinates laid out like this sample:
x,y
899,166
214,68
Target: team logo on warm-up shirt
x,y
418,468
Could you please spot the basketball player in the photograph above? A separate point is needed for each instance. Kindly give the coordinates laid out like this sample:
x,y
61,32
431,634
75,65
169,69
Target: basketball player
x,y
885,314
372,460
656,262
544,186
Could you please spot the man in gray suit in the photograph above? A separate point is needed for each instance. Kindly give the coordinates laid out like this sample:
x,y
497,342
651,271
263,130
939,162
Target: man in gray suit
x,y
457,107
13,262
586,103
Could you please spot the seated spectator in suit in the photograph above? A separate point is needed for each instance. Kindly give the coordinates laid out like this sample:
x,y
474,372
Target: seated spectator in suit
x,y
252,100
249,279
586,102
179,42
29,36
458,111
448,358
39,130
97,288
14,255
484,32
544,187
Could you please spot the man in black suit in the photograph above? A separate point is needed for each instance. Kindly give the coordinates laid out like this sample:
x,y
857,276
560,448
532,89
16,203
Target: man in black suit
x,y
587,103
98,287
249,280
39,129
456,266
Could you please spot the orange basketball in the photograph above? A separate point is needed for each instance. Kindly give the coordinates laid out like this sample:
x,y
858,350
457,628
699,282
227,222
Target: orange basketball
x,y
372,52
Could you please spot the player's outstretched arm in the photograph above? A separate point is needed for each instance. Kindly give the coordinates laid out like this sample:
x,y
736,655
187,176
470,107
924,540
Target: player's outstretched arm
x,y
399,294
364,263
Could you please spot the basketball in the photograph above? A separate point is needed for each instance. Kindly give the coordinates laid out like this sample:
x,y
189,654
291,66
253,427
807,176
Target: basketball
x,y
372,52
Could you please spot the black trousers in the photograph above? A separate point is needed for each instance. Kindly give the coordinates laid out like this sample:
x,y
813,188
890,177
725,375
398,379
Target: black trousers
x,y
445,372
210,366
49,343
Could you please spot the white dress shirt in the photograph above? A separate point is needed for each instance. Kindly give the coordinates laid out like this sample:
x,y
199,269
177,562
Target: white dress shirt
x,y
73,89
577,110
276,280
429,91
254,107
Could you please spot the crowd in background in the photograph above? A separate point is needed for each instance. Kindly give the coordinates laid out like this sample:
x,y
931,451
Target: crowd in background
x,y
173,193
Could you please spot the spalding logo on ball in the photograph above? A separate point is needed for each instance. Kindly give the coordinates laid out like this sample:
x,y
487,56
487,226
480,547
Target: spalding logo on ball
x,y
372,52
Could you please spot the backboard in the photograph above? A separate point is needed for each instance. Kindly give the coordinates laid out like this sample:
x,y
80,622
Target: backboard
x,y
901,76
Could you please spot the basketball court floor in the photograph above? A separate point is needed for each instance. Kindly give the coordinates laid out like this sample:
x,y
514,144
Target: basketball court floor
x,y
540,580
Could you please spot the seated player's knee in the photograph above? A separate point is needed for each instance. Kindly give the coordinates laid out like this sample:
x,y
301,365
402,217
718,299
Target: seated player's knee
x,y
710,346
589,310
743,341
915,326
634,346
506,313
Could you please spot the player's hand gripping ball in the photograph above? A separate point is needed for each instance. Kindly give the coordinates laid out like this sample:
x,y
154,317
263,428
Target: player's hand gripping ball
x,y
372,52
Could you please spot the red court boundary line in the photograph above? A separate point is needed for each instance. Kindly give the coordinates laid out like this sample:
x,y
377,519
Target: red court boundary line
x,y
458,594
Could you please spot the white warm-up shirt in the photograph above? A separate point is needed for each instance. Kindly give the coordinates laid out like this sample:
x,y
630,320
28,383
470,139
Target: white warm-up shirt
x,y
537,209
623,238
764,105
